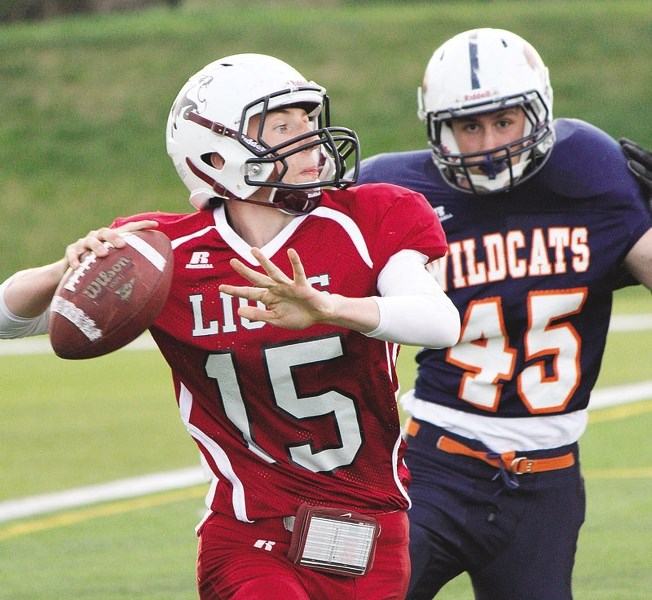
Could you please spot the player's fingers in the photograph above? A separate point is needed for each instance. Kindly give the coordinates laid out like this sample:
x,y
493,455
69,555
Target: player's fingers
x,y
102,235
641,156
297,266
254,277
271,269
93,241
136,226
624,140
636,152
253,313
75,254
249,293
96,239
73,258
641,173
76,251
114,235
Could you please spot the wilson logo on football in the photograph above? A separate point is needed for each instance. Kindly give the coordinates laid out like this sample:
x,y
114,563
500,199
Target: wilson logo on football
x,y
109,278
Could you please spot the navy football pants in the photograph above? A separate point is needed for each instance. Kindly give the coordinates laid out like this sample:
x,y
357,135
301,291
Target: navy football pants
x,y
515,543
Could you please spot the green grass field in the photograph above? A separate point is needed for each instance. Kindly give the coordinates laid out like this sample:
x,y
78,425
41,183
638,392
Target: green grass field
x,y
84,102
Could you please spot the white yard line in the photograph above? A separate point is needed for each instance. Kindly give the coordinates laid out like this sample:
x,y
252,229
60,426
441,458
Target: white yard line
x,y
40,344
630,322
104,492
620,394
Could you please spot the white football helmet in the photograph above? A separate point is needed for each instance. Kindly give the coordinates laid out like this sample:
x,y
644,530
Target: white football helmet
x,y
211,114
480,71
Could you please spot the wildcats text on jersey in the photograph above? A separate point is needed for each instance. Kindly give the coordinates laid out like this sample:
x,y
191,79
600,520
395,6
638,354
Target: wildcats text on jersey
x,y
514,255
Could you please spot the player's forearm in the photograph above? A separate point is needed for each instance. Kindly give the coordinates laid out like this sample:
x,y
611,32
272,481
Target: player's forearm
x,y
358,314
639,260
424,319
30,292
414,310
428,319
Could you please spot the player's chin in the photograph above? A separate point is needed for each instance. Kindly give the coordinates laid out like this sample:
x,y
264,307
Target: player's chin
x,y
310,175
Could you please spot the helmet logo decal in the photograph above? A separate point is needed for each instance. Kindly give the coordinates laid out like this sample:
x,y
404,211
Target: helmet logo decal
x,y
530,57
297,83
477,95
192,100
474,62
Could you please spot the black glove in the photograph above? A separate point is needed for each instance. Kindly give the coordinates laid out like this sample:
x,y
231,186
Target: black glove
x,y
639,162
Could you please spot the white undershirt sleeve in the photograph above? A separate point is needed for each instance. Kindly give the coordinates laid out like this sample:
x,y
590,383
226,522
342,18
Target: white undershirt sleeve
x,y
12,326
414,310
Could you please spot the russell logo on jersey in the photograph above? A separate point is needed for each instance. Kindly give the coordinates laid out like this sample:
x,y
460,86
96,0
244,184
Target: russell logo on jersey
x,y
199,260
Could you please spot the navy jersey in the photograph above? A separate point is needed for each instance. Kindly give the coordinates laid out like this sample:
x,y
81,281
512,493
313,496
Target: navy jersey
x,y
532,273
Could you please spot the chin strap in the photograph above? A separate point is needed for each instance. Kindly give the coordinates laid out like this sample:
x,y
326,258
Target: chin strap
x,y
292,202
296,202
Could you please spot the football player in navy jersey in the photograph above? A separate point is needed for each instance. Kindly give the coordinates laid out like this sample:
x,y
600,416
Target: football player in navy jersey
x,y
290,295
540,217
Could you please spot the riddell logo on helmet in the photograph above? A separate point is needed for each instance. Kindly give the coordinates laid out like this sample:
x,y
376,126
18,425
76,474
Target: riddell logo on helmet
x,y
477,95
252,143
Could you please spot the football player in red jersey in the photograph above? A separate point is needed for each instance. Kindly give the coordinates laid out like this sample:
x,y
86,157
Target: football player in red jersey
x,y
542,217
291,292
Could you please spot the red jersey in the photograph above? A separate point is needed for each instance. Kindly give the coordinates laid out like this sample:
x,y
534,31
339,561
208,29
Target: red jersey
x,y
284,417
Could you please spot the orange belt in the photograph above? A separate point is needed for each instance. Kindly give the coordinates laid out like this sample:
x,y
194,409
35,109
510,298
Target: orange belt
x,y
508,460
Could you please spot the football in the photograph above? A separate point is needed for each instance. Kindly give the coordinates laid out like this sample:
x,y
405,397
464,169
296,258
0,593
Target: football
x,y
108,302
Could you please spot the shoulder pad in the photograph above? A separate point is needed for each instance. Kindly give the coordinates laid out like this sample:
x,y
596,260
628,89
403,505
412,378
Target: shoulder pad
x,y
585,162
394,167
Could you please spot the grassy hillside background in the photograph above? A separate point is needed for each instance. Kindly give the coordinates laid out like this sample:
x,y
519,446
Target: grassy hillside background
x,y
84,100
83,104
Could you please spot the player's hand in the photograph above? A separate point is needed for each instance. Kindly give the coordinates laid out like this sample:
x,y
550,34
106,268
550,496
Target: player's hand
x,y
291,303
94,241
639,162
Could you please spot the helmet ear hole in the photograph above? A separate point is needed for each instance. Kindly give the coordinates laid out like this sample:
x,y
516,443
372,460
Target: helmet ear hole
x,y
214,159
